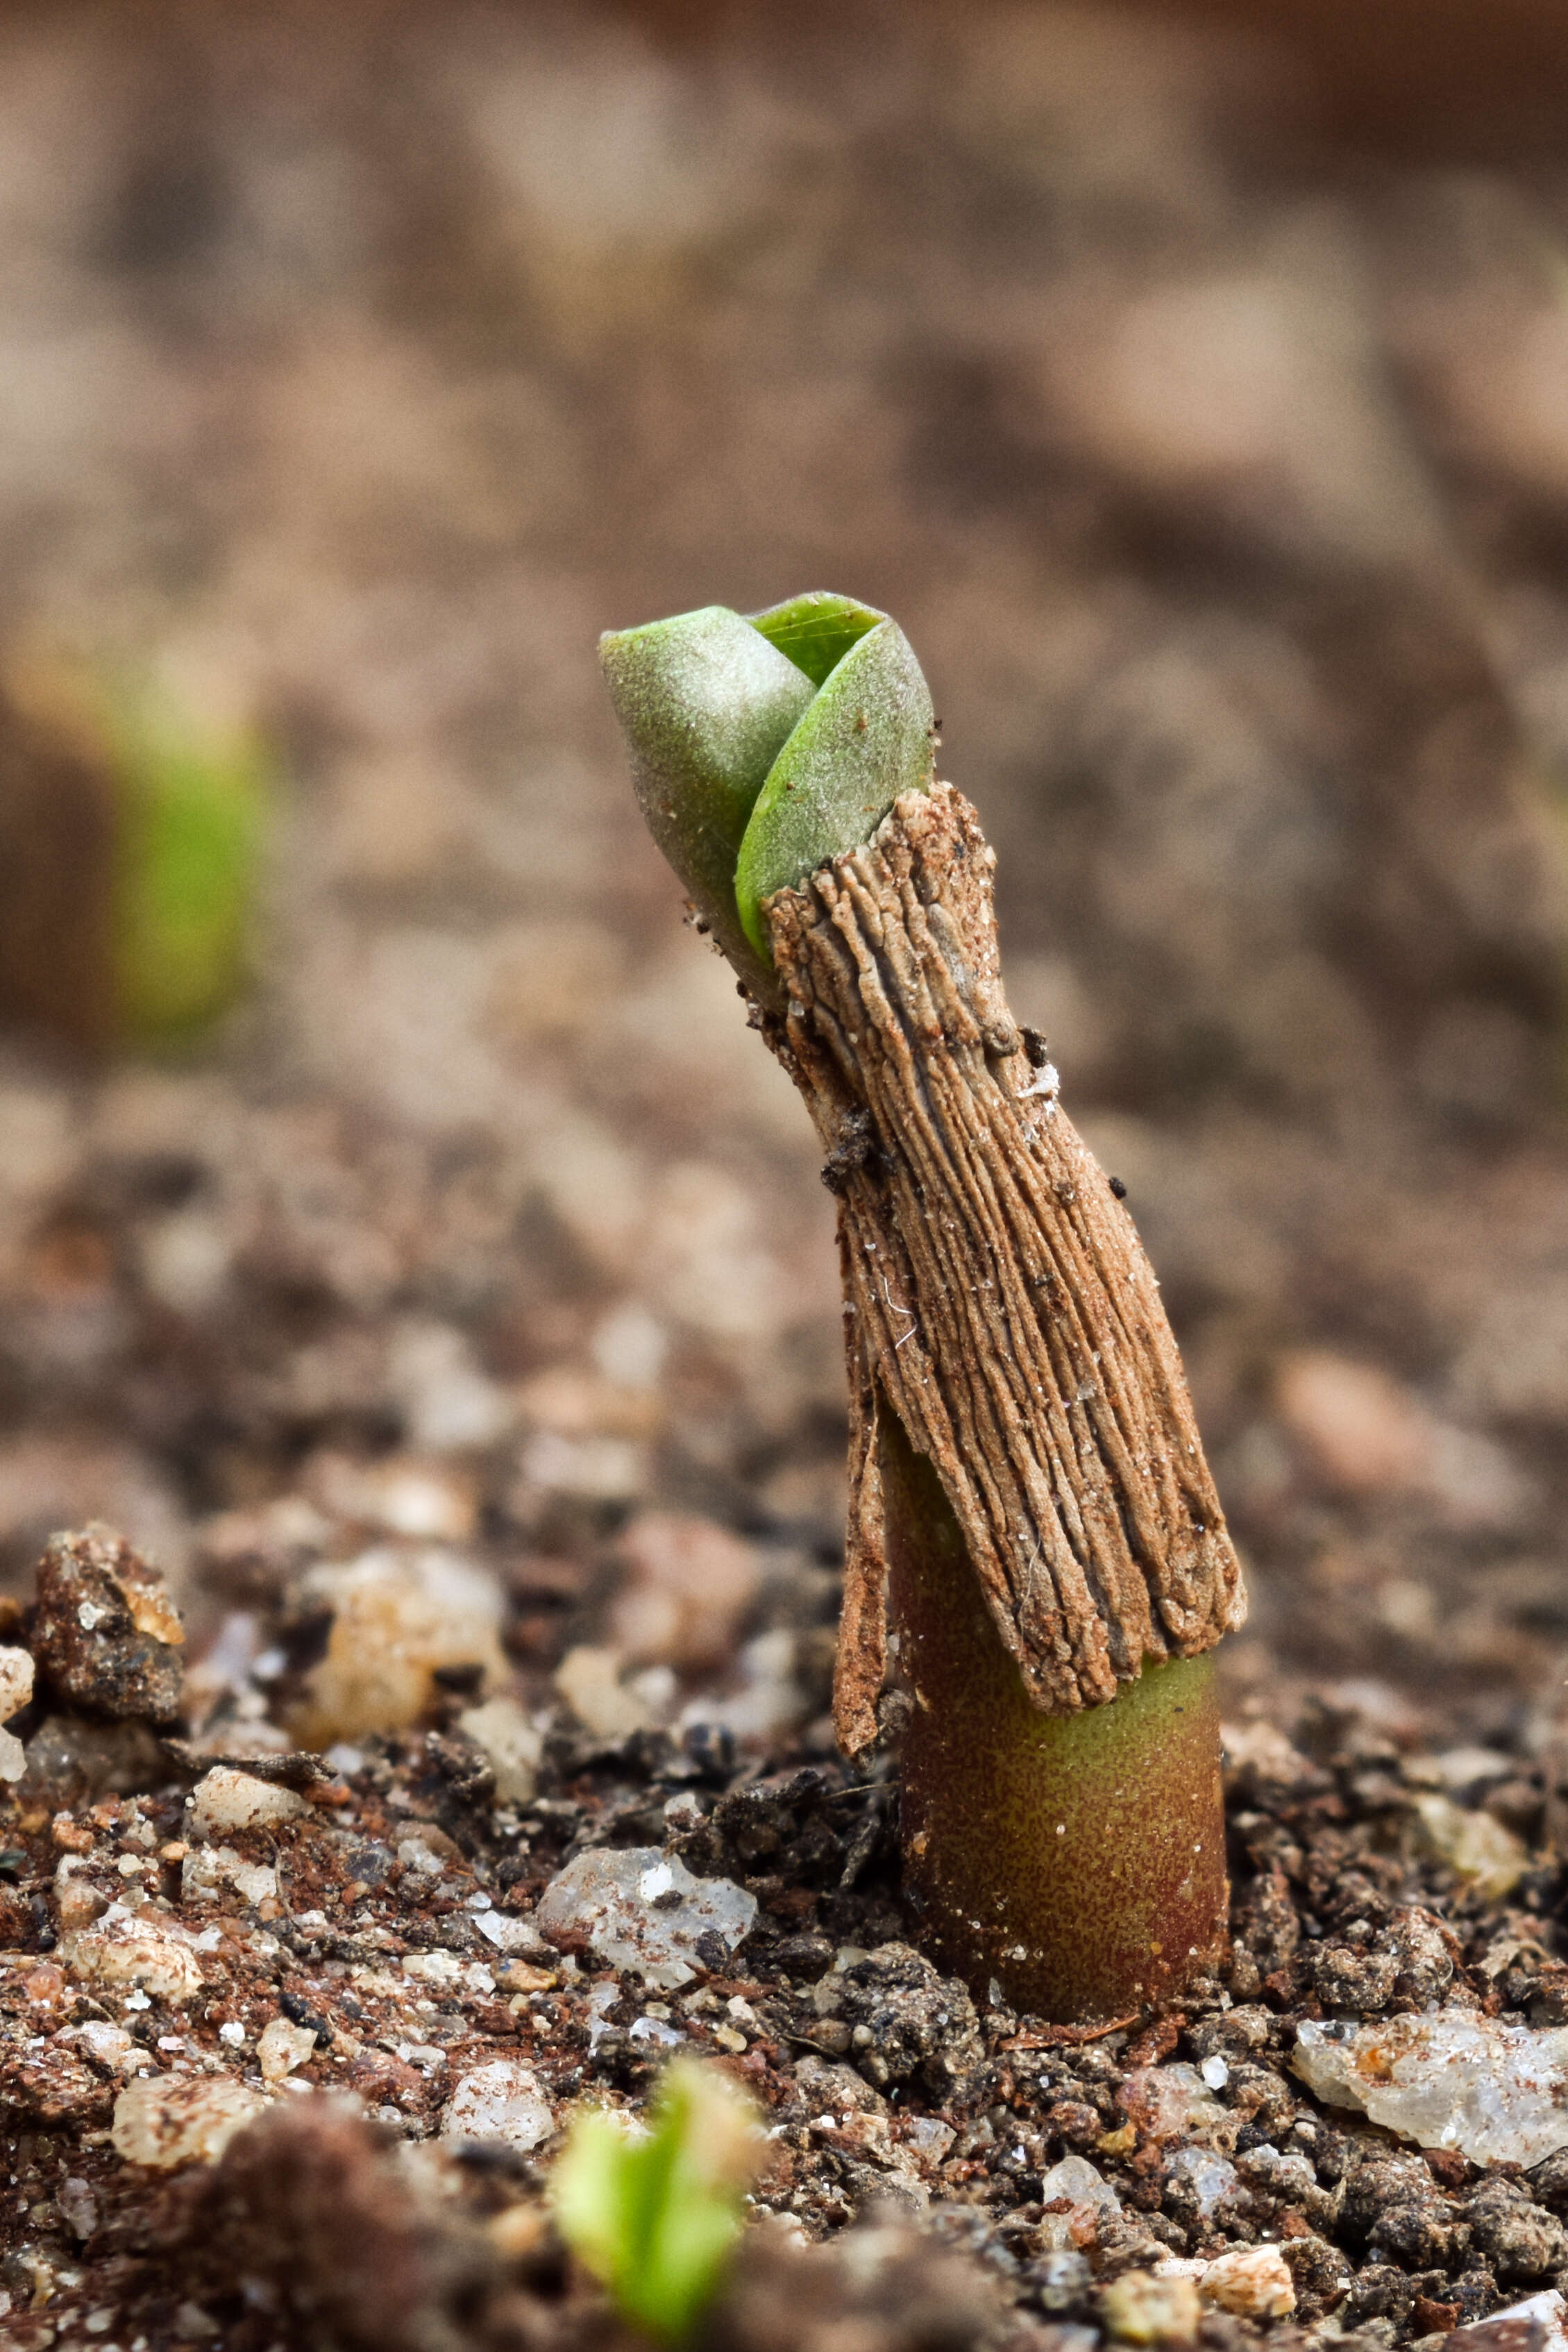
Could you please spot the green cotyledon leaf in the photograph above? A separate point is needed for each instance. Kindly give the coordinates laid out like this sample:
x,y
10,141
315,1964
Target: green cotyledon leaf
x,y
865,739
816,630
193,809
763,746
153,821
707,705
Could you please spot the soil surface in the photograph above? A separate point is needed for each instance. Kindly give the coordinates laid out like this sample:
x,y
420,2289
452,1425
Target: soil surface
x,y
288,2042
468,1302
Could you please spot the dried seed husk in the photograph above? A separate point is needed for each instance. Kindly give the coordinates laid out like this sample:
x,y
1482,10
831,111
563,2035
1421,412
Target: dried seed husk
x,y
997,1300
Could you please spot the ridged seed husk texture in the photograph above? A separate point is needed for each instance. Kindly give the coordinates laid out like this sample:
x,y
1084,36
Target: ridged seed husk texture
x,y
997,1296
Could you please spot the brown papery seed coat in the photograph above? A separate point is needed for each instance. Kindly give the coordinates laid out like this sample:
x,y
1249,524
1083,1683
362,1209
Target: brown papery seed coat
x,y
996,1295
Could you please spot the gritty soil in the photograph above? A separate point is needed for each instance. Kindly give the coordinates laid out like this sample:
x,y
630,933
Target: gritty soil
x,y
341,1973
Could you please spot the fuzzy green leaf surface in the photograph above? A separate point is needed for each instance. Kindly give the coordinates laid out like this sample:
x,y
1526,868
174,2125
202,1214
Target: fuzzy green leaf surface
x,y
816,630
865,739
707,704
763,746
654,2215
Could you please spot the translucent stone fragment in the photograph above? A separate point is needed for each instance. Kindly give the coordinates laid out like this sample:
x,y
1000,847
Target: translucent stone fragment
x,y
1076,2178
1171,2101
638,1908
1091,2198
501,2101
1547,2309
509,1934
1211,2177
1498,2093
1474,1845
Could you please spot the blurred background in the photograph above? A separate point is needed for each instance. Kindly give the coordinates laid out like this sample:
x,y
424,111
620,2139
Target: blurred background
x,y
1193,384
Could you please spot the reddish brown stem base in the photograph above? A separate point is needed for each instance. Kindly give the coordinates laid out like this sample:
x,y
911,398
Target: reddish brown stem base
x,y
1077,1860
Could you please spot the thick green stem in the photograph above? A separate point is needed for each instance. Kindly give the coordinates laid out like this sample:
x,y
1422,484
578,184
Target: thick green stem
x,y
1078,1860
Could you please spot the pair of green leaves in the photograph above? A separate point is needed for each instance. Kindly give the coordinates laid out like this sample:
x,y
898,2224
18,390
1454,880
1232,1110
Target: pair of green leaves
x,y
763,746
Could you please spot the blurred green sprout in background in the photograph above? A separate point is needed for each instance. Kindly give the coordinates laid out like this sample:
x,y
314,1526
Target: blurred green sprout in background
x,y
654,2210
195,811
131,835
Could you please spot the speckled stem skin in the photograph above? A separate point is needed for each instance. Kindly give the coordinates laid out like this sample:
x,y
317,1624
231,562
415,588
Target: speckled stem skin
x,y
1078,1860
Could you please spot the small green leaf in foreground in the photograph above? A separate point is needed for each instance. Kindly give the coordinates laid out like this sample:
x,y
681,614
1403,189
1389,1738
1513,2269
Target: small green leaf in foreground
x,y
654,2213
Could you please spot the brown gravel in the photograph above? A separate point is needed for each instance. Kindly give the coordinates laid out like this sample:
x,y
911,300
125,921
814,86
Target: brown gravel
x,y
105,1636
222,2015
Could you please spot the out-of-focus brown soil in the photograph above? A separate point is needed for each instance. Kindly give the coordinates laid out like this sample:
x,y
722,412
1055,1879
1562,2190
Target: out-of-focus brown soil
x,y
359,371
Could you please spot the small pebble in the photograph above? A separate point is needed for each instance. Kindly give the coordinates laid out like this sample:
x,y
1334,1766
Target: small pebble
x,y
131,1949
501,2101
282,2047
16,1680
640,1909
589,1679
510,1744
228,1800
1142,2308
397,1615
166,2121
1253,2283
